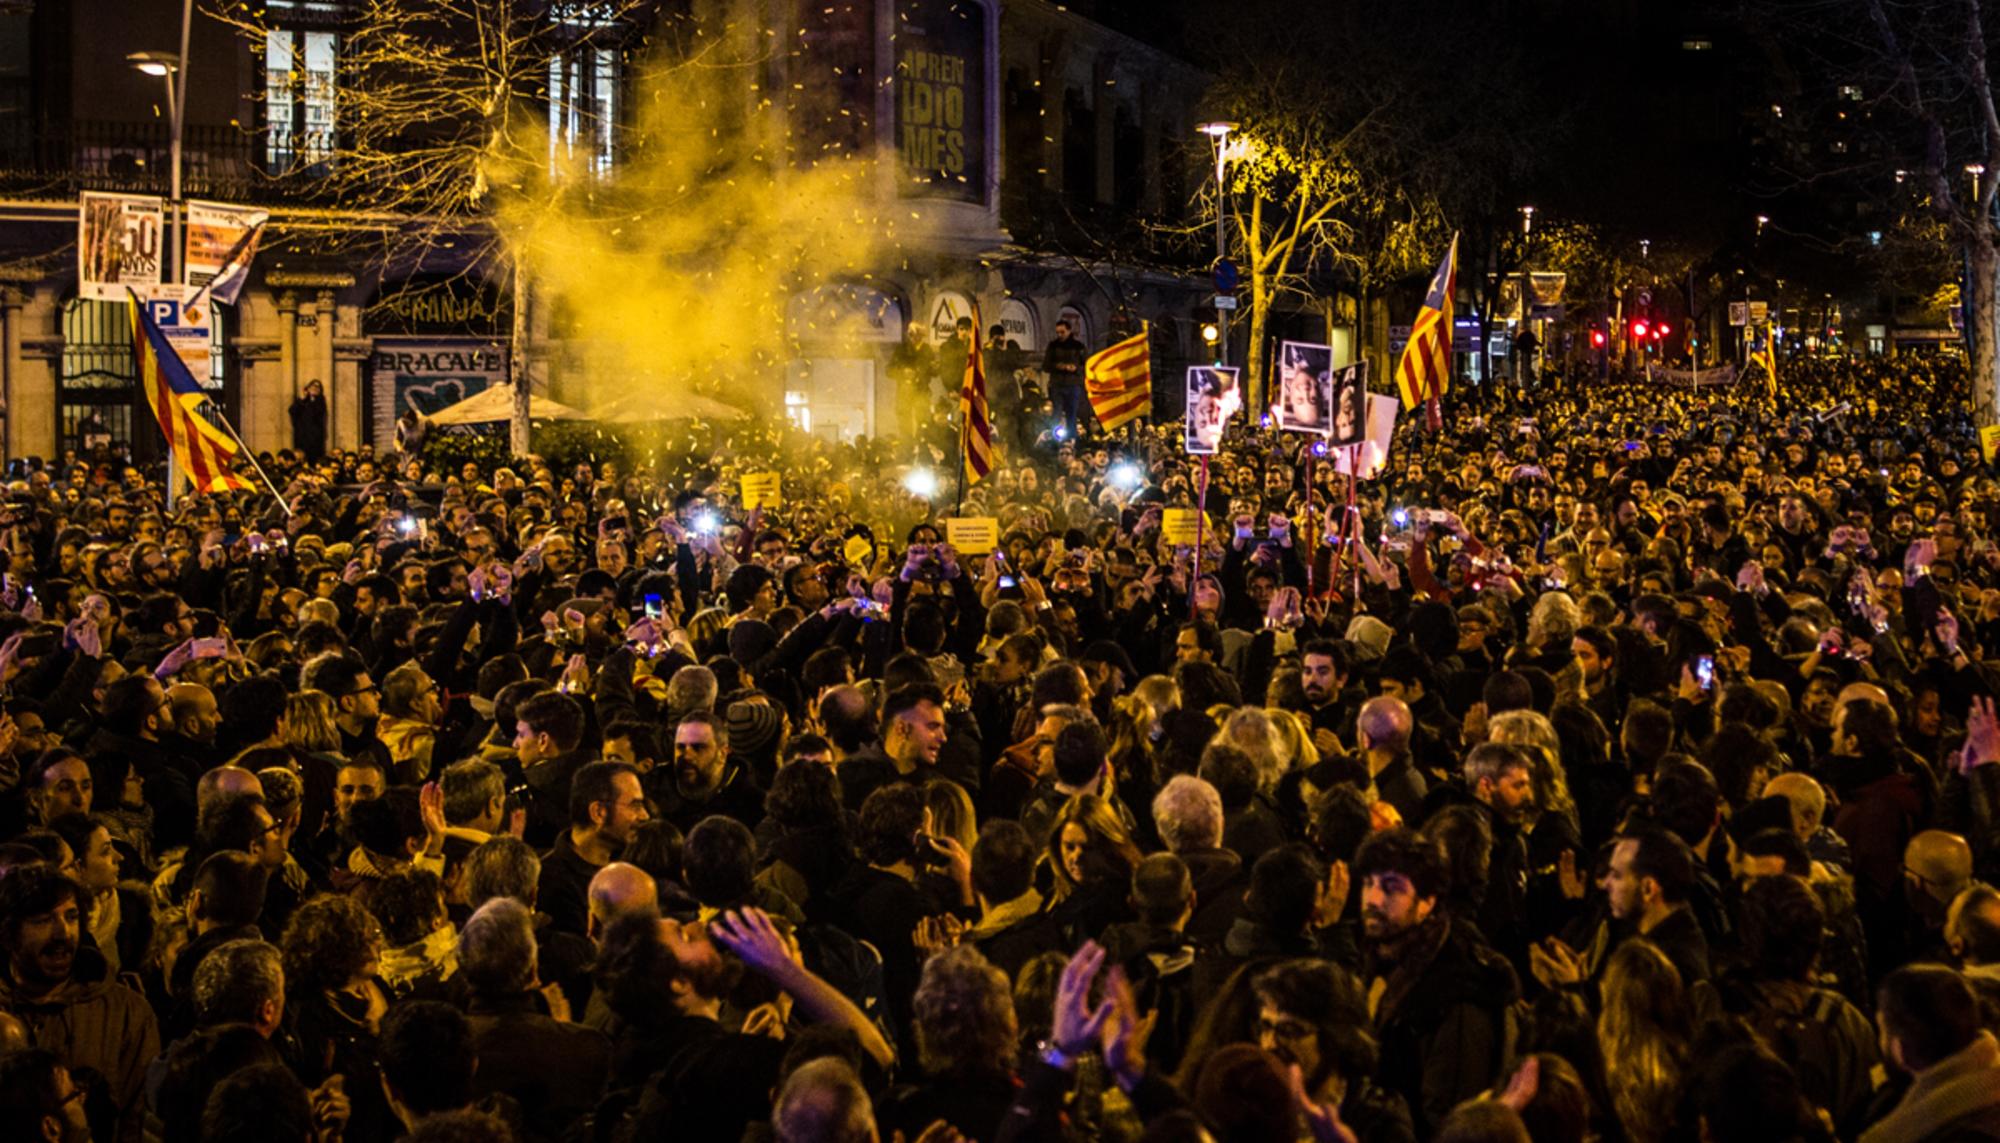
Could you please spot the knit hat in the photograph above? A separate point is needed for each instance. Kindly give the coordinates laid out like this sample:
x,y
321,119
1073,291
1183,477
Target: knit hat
x,y
753,727
1369,635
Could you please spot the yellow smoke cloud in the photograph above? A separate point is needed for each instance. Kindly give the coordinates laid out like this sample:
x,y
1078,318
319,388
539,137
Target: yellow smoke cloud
x,y
676,274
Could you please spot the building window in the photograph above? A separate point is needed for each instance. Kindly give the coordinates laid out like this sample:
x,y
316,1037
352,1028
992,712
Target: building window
x,y
1697,45
1850,92
798,410
583,94
299,98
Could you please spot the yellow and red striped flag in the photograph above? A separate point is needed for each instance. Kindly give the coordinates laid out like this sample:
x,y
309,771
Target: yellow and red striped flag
x,y
976,432
1767,356
1424,371
1119,380
204,452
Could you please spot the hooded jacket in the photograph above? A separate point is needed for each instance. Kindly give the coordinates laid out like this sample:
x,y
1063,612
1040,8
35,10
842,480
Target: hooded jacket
x,y
93,1022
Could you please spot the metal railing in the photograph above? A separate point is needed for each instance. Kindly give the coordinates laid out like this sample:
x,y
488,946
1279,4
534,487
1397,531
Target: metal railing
x,y
222,162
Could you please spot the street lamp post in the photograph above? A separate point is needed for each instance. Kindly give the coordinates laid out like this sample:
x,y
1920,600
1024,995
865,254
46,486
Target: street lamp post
x,y
172,69
1527,228
1219,131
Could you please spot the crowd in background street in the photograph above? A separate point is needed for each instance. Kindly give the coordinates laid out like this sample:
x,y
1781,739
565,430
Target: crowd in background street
x,y
1623,765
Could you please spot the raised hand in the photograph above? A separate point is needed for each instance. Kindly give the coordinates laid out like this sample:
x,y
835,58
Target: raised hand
x,y
750,934
1076,1023
1982,737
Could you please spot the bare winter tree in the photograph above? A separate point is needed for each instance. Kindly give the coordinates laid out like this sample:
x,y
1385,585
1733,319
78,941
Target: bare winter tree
x,y
1913,87
444,118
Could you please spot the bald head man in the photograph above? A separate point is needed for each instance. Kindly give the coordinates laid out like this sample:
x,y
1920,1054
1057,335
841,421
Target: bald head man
x,y
222,782
1937,867
1384,726
192,707
1807,798
1868,691
617,890
1382,731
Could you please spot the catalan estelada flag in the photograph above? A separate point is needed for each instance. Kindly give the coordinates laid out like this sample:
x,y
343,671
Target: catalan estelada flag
x,y
204,452
976,433
1424,371
1767,356
1120,381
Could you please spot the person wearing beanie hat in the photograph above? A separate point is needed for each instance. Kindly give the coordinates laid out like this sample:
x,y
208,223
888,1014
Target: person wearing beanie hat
x,y
1369,635
756,735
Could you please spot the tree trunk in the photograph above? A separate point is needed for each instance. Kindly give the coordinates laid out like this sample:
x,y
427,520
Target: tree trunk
x,y
517,365
1982,261
1254,403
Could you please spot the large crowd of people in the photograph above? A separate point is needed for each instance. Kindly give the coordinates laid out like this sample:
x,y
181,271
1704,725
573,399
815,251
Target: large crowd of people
x,y
1622,765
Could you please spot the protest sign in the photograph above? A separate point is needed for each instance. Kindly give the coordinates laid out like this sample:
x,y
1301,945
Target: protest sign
x,y
761,490
1178,526
972,535
118,245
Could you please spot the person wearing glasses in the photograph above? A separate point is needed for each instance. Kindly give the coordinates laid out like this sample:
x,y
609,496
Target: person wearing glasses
x,y
358,703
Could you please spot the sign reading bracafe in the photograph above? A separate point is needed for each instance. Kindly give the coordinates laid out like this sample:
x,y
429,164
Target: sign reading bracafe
x,y
941,103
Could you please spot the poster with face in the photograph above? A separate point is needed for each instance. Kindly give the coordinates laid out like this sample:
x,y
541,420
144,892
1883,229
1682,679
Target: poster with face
x,y
1350,404
1305,387
1213,396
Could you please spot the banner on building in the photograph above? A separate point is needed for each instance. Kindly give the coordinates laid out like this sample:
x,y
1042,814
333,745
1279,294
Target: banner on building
x,y
221,243
428,374
942,109
118,245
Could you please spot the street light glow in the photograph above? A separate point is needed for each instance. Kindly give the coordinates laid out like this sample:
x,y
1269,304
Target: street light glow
x,y
921,482
1217,129
155,64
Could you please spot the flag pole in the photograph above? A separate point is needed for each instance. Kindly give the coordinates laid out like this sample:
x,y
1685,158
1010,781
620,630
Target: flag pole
x,y
1311,529
252,458
1200,520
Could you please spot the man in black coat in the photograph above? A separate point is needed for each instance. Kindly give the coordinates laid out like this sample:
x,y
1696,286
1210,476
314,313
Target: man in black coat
x,y
1442,999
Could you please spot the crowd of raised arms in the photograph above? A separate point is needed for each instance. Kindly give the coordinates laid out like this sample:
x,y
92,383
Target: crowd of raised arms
x,y
1626,769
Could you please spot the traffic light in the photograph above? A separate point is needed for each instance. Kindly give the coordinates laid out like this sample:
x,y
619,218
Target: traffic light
x,y
1661,331
1597,339
1639,329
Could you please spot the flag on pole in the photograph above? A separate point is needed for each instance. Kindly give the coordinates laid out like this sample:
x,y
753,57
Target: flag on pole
x,y
204,452
1120,380
977,428
1767,356
1424,371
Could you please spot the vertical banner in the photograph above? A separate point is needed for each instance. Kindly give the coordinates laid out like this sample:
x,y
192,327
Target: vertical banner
x,y
431,373
942,110
119,243
221,243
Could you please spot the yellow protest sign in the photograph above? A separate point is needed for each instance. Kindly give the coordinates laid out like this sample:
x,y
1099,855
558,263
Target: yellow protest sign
x,y
760,490
1989,442
859,552
1179,525
972,535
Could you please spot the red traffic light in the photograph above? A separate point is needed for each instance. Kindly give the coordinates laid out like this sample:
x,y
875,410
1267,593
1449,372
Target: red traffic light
x,y
1662,330
1597,339
1639,330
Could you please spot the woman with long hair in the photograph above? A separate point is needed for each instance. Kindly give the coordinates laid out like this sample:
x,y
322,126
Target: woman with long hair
x,y
1091,857
1646,1032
